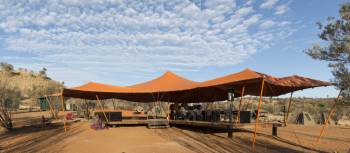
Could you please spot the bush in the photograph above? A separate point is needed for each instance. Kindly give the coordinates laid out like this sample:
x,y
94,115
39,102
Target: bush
x,y
9,101
6,67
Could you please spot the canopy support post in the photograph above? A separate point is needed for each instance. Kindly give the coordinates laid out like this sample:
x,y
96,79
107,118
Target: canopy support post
x,y
257,114
103,110
290,101
64,114
51,109
239,107
329,116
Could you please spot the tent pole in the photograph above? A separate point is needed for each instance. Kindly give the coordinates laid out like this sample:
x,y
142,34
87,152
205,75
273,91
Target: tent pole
x,y
239,107
329,116
104,113
64,114
290,101
257,114
167,112
51,110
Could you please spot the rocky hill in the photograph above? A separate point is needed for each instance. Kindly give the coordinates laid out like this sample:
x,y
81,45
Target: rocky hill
x,y
29,84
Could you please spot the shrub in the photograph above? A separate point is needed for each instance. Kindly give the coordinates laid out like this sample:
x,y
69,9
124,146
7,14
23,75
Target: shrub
x,y
9,101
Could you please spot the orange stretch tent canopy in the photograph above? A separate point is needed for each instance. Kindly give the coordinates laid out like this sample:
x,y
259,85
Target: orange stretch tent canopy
x,y
252,81
166,83
173,88
166,87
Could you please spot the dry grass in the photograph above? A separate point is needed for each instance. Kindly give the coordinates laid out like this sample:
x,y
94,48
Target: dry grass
x,y
30,85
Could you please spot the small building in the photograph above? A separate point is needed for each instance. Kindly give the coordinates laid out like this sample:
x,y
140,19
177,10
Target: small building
x,y
323,118
305,118
44,105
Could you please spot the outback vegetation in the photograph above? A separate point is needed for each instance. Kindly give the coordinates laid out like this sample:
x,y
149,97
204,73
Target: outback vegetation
x,y
335,33
21,88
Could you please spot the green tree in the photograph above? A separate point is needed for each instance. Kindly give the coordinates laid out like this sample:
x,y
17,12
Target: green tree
x,y
6,67
336,50
43,72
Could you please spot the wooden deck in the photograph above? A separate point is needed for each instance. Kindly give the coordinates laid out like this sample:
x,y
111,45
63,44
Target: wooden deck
x,y
227,126
136,122
223,125
218,125
199,123
129,122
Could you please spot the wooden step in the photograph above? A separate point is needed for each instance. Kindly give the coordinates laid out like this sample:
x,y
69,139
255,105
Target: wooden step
x,y
157,123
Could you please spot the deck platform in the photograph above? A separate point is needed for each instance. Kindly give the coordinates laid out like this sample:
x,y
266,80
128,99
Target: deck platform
x,y
129,122
223,125
226,126
199,123
157,123
218,125
138,122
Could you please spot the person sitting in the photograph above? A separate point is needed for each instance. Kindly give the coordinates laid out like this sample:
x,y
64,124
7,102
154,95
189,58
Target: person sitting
x,y
191,115
183,113
198,112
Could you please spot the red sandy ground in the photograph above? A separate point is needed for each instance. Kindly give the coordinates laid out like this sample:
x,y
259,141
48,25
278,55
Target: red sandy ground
x,y
80,138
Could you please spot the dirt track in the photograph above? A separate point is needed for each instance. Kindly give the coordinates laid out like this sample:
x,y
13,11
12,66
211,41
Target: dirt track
x,y
80,138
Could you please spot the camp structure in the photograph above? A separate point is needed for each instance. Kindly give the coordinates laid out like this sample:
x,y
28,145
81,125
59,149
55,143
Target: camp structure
x,y
168,87
175,89
323,119
304,118
43,103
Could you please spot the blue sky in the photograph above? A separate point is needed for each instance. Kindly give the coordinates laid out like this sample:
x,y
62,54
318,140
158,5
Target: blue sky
x,y
123,42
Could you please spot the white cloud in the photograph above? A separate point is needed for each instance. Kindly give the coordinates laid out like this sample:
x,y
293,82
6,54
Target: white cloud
x,y
267,24
281,9
120,36
268,4
249,2
244,11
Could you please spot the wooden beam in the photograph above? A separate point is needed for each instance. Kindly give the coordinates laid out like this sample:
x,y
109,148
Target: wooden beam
x,y
51,109
290,102
329,116
64,114
257,114
103,110
239,107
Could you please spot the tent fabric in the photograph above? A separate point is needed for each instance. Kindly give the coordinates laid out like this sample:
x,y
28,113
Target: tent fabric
x,y
298,81
235,78
173,88
99,87
305,118
167,82
166,87
252,81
